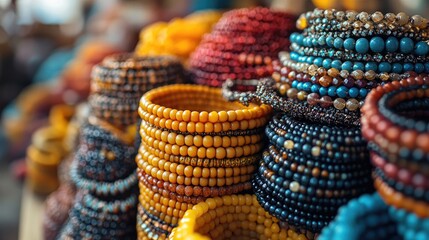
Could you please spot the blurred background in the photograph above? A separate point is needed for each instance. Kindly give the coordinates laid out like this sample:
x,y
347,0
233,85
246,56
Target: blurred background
x,y
48,47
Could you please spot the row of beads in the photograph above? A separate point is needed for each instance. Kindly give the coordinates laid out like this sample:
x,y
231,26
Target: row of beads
x,y
199,162
363,45
381,67
362,20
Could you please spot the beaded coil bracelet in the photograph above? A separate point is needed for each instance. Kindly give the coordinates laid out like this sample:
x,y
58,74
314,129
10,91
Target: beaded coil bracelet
x,y
395,123
194,145
231,217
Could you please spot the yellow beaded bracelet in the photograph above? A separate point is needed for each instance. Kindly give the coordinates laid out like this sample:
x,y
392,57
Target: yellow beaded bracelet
x,y
147,158
200,162
198,140
202,127
195,181
202,152
240,211
233,111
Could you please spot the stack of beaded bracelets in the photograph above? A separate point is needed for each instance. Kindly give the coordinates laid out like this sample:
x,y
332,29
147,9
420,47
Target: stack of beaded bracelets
x,y
363,218
242,45
340,56
310,170
194,145
120,80
103,171
395,122
231,217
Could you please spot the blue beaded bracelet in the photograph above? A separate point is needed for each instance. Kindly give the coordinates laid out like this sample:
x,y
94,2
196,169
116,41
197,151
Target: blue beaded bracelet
x,y
363,45
410,226
363,218
332,91
352,66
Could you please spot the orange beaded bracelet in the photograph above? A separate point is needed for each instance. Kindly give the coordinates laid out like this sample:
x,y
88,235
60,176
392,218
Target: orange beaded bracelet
x,y
198,140
397,199
191,181
232,112
200,127
189,171
200,162
202,152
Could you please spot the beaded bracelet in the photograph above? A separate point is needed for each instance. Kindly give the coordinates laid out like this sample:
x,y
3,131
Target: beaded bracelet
x,y
198,140
313,69
401,24
236,207
266,94
200,162
374,122
403,160
102,188
287,168
199,127
362,45
297,205
202,152
314,186
163,213
190,171
126,61
292,215
146,104
408,191
409,225
276,163
301,200
156,198
192,191
209,129
401,174
394,198
362,218
190,181
284,77
348,61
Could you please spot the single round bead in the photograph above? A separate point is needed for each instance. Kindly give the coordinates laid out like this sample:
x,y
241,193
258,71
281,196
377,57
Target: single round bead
x,y
376,44
349,44
392,44
406,45
422,48
339,103
362,45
